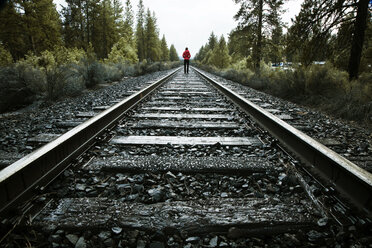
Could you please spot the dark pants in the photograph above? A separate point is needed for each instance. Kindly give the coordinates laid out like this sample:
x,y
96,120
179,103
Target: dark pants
x,y
186,63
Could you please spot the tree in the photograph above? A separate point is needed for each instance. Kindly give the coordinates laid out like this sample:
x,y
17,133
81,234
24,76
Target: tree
x,y
128,23
322,17
173,55
123,52
5,57
358,38
12,31
140,32
259,17
164,50
220,55
30,26
80,17
200,54
152,38
105,29
305,42
212,41
240,43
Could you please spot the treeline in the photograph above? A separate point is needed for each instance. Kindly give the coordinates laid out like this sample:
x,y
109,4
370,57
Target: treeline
x,y
48,55
31,27
337,32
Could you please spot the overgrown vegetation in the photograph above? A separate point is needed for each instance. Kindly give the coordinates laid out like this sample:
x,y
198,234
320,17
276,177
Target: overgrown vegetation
x,y
324,60
44,56
321,86
54,75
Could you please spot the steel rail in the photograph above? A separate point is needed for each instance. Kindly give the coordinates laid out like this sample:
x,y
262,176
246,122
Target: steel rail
x,y
349,180
20,179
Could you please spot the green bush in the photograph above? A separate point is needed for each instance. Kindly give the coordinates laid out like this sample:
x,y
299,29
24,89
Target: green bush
x,y
320,86
15,87
92,73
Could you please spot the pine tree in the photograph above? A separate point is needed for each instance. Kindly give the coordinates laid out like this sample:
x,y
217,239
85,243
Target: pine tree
x,y
200,54
140,32
105,30
256,16
128,23
74,24
80,17
123,52
43,26
12,31
212,41
5,57
173,55
319,18
30,26
276,46
219,56
152,38
240,42
164,50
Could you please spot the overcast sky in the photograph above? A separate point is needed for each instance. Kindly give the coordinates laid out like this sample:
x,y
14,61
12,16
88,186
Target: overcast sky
x,y
189,23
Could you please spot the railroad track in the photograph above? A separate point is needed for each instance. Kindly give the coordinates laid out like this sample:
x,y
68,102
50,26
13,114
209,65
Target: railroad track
x,y
192,164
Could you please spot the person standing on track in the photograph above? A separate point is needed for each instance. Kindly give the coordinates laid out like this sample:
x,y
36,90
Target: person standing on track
x,y
186,60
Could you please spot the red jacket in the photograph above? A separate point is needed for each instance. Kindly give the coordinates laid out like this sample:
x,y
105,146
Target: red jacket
x,y
186,55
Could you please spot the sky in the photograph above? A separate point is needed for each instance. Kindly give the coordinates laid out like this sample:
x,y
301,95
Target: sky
x,y
190,23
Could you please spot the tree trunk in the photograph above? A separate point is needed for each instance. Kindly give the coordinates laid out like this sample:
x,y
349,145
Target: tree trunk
x,y
358,39
257,55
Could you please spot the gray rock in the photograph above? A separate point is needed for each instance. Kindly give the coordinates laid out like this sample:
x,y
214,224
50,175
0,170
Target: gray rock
x,y
72,238
141,244
157,244
109,242
81,243
224,195
192,240
55,238
138,188
313,235
322,221
224,244
156,193
170,175
213,242
80,187
104,235
116,230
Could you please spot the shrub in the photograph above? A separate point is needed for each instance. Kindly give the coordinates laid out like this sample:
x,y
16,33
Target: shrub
x,y
5,57
114,72
325,80
64,81
92,73
15,90
321,86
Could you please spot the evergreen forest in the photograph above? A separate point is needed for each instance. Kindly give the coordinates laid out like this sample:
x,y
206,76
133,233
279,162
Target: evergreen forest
x,y
322,59
46,54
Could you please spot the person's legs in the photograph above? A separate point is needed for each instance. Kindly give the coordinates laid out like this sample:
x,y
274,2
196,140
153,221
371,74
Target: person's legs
x,y
184,65
187,69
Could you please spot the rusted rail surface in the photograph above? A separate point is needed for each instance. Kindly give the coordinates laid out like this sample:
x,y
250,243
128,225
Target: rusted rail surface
x,y
351,181
18,180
